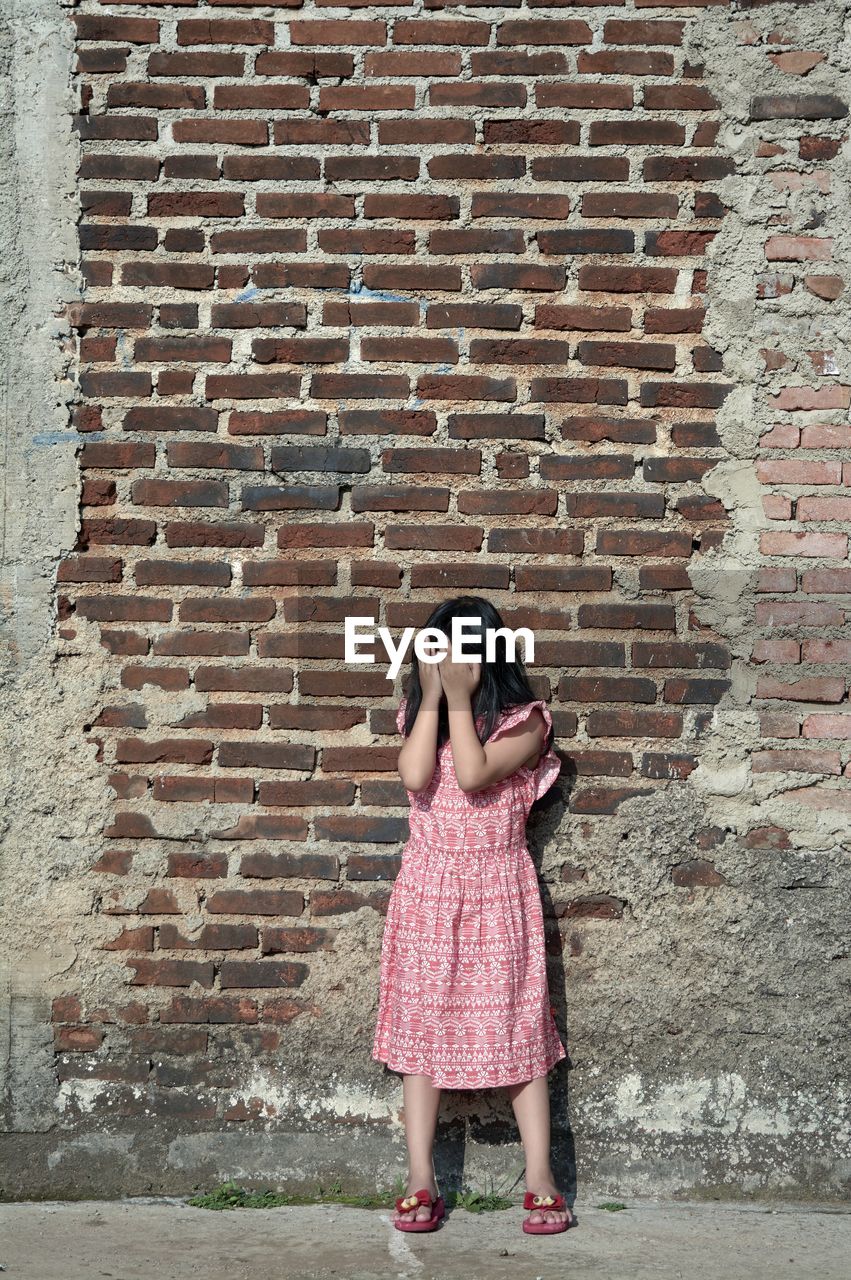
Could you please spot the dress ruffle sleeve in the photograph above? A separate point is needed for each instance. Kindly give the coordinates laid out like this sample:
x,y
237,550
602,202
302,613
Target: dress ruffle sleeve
x,y
542,775
400,714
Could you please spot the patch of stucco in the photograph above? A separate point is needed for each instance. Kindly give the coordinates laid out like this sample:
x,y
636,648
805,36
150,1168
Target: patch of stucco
x,y
54,794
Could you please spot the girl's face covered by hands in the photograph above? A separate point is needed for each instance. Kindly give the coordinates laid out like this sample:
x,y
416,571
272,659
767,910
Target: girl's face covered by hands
x,y
459,679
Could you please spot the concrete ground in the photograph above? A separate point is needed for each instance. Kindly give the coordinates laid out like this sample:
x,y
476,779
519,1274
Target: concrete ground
x,y
165,1239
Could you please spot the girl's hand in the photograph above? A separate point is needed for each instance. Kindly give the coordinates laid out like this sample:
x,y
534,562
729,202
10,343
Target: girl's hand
x,y
459,679
430,678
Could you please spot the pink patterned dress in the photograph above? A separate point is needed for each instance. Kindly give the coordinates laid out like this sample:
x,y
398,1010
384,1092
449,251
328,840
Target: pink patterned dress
x,y
463,995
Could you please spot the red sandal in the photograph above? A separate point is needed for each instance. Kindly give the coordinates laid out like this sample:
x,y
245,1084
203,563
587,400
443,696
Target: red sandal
x,y
413,1201
531,1201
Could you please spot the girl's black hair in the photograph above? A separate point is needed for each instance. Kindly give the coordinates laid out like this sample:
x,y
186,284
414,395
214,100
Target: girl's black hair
x,y
503,683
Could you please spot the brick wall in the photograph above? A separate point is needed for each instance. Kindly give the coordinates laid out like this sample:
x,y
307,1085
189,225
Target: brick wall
x,y
382,308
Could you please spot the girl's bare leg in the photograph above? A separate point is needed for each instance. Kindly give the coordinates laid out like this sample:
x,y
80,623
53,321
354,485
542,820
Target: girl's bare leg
x,y
421,1103
531,1103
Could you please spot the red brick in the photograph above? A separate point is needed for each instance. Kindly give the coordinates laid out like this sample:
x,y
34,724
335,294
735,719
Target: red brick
x,y
338,32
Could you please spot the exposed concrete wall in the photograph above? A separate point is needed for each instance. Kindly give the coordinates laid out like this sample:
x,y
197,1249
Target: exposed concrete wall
x,y
773,314
706,1034
53,791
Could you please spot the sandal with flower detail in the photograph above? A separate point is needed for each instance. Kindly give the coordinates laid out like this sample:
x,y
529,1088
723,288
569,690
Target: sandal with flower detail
x,y
413,1201
531,1201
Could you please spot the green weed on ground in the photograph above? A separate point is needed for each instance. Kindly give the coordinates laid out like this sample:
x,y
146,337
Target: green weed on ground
x,y
230,1195
478,1201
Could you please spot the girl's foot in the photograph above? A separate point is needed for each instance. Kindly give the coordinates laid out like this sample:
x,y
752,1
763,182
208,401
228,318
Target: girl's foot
x,y
546,1187
422,1213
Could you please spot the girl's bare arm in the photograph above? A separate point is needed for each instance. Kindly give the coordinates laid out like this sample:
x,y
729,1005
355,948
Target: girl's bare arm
x,y
478,765
418,755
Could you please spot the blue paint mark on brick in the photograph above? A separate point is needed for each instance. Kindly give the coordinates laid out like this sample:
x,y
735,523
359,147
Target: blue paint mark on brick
x,y
65,437
123,349
362,291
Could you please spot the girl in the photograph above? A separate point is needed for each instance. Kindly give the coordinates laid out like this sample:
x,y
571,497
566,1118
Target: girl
x,y
463,999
